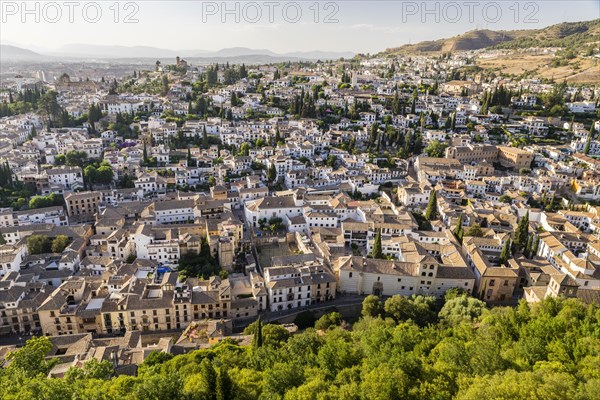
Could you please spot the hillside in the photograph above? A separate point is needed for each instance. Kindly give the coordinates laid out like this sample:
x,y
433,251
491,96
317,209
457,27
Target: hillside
x,y
546,351
565,34
571,34
14,53
472,40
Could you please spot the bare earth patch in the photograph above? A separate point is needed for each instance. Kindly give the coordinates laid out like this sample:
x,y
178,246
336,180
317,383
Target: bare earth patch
x,y
588,71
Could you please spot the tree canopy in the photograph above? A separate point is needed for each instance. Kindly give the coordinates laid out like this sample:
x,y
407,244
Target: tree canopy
x,y
548,350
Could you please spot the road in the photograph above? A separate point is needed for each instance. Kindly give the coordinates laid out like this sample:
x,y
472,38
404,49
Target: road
x,y
340,300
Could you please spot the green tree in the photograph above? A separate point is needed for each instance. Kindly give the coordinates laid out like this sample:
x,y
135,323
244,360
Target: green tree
x,y
535,247
436,149
271,173
76,158
189,160
331,160
205,141
244,149
274,335
145,154
399,308
209,379
505,255
38,244
104,175
90,173
60,159
586,149
431,210
372,306
155,358
529,246
522,232
385,383
474,230
328,321
458,230
92,369
224,385
282,377
277,136
94,115
505,199
377,249
30,359
49,108
60,243
461,308
257,340
46,201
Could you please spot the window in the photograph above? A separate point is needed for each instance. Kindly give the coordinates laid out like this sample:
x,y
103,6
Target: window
x,y
350,275
492,282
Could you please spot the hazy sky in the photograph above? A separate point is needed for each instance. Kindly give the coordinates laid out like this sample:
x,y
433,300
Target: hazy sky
x,y
281,26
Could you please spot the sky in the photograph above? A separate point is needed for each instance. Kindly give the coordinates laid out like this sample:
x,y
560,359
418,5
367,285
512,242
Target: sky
x,y
281,26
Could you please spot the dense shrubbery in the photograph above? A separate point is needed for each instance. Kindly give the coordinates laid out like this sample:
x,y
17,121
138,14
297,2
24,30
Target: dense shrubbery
x,y
545,351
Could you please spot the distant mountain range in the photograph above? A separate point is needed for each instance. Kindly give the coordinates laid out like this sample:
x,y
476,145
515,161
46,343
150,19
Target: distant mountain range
x,y
107,52
566,34
14,53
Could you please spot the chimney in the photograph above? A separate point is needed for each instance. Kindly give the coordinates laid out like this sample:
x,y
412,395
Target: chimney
x,y
113,356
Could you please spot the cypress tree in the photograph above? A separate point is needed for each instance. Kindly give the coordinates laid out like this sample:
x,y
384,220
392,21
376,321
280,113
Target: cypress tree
x,y
528,246
536,245
224,385
458,230
204,138
209,378
505,253
377,250
277,136
586,149
272,173
257,340
431,211
145,154
522,232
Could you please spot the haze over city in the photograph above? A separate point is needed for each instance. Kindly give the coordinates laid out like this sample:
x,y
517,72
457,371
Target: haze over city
x,y
346,25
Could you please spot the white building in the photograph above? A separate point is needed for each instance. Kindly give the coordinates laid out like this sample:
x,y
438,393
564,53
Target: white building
x,y
65,177
298,286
